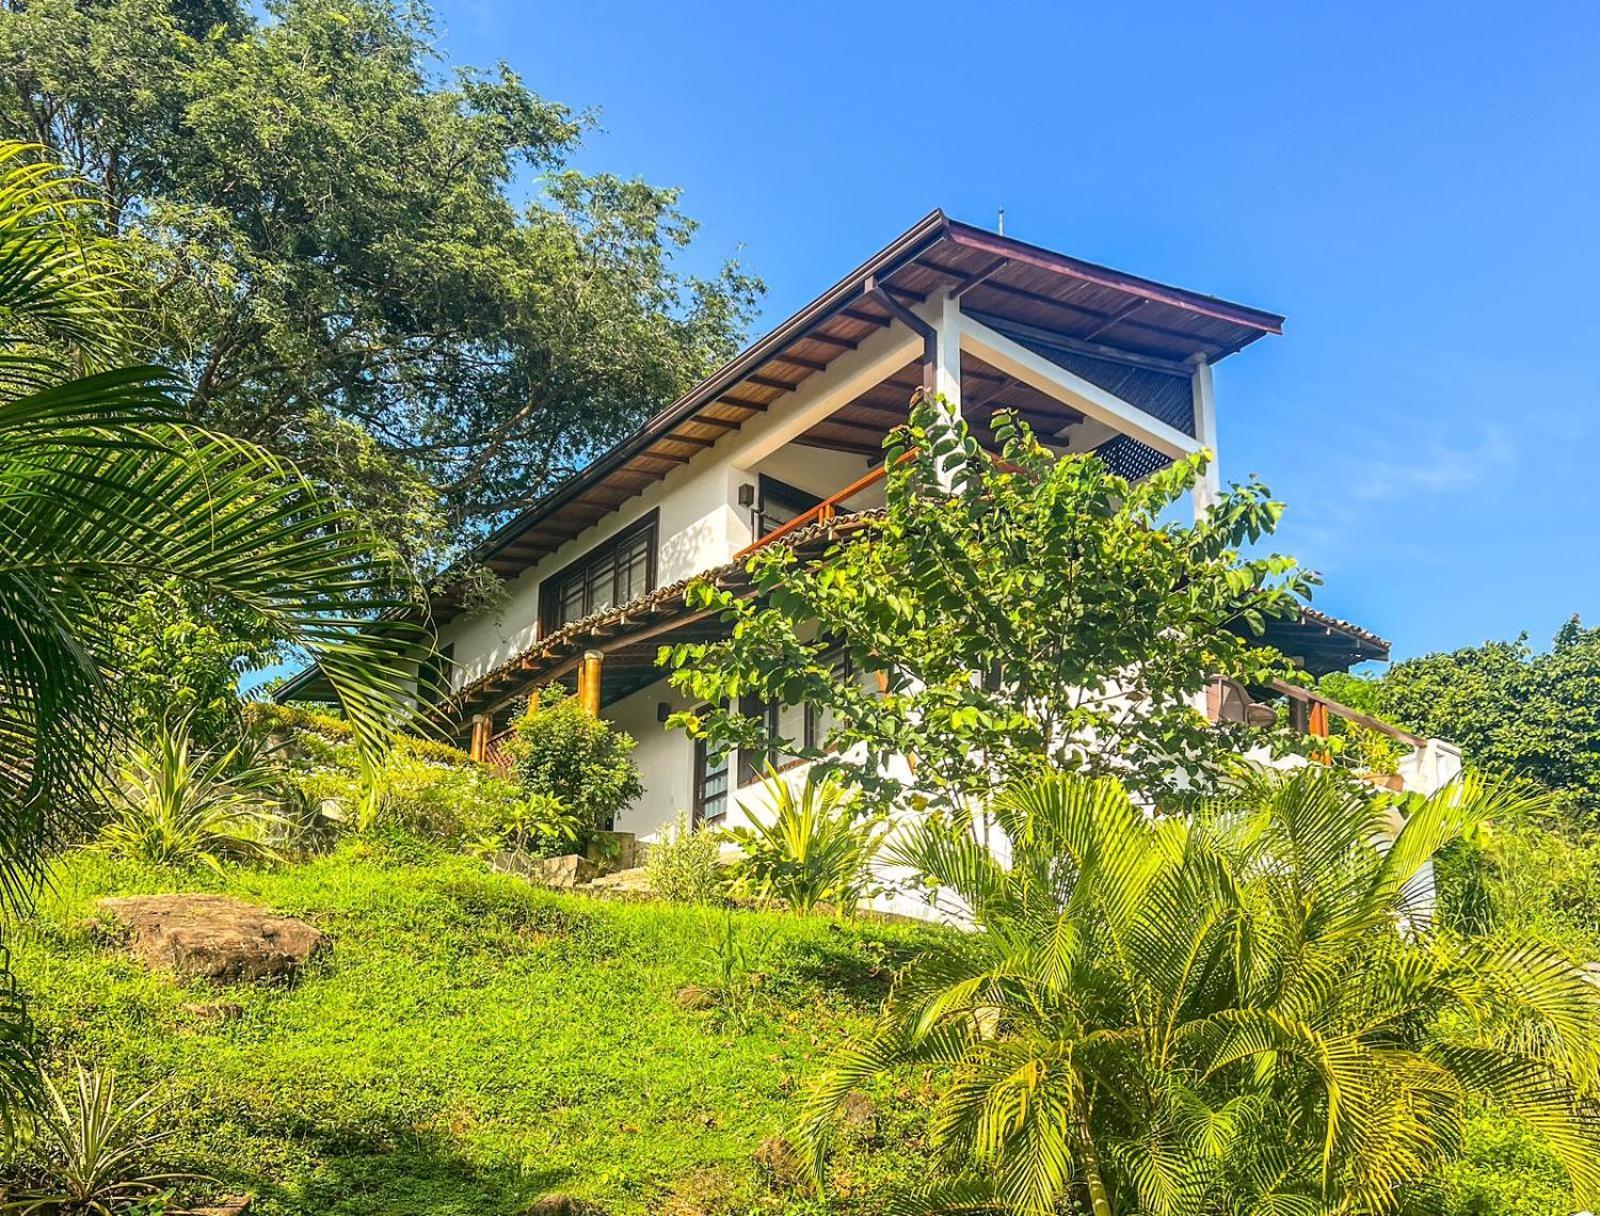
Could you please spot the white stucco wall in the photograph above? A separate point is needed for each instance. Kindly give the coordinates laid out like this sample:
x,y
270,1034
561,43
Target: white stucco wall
x,y
701,524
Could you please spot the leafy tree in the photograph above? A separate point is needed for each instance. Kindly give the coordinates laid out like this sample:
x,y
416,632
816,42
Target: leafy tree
x,y
1514,712
171,652
102,480
583,762
1235,1010
999,615
335,257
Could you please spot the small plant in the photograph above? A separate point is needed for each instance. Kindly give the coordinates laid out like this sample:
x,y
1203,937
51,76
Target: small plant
x,y
685,867
174,805
560,750
738,959
538,825
94,1150
813,851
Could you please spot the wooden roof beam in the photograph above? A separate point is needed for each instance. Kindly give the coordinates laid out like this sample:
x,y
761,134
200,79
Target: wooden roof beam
x,y
787,386
830,340
814,365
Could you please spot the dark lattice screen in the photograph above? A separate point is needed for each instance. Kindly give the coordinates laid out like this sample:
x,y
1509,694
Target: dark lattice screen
x,y
1159,394
1131,459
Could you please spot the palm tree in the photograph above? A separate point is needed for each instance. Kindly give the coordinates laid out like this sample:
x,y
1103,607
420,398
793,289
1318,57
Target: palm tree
x,y
1236,1009
102,479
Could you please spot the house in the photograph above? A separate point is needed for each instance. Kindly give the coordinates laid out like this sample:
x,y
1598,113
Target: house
x,y
786,440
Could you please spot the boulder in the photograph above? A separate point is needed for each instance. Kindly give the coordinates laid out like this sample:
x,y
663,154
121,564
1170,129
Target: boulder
x,y
557,1204
624,882
233,1205
212,936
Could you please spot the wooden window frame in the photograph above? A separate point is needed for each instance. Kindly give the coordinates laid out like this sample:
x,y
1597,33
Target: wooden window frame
x,y
697,804
780,493
553,588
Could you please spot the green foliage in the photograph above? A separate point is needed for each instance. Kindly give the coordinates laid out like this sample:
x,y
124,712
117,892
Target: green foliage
x,y
389,272
472,1042
103,481
1365,749
1513,712
94,1150
1222,1011
587,764
538,825
739,959
175,805
684,864
169,653
813,849
421,786
1059,581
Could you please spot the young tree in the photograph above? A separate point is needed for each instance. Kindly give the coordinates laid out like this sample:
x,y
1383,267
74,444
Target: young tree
x,y
999,616
1235,1010
389,273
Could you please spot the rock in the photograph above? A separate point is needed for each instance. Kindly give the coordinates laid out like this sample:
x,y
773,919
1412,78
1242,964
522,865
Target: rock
x,y
232,1205
557,1204
566,872
624,882
212,936
613,851
692,996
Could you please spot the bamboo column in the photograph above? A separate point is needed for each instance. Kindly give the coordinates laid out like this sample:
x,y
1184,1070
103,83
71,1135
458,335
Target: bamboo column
x,y
589,682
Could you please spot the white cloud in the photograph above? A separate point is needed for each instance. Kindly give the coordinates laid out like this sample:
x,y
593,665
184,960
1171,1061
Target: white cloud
x,y
1437,468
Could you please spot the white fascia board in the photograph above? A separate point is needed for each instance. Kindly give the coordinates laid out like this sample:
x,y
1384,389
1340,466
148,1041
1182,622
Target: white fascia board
x,y
1088,399
847,377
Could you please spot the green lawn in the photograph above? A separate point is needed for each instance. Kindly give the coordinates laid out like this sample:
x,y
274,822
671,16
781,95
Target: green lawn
x,y
472,1043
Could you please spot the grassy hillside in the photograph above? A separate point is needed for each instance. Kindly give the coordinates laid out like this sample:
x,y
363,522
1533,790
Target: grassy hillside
x,y
472,1043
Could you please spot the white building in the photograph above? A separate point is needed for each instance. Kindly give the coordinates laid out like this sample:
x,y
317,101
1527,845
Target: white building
x,y
790,433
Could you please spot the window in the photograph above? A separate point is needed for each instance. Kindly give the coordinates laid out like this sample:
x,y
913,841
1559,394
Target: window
x,y
780,502
710,786
612,574
807,723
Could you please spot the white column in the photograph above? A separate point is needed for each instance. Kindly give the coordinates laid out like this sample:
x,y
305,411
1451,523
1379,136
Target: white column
x,y
1209,488
947,362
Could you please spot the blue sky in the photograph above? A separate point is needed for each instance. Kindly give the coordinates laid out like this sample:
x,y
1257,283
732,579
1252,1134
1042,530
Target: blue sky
x,y
1413,185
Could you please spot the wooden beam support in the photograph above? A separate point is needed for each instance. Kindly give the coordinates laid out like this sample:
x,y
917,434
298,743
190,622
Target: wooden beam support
x,y
787,386
759,407
815,365
855,314
830,340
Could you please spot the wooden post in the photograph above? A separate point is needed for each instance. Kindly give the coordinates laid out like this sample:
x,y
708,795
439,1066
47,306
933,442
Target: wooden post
x,y
589,682
1318,725
482,731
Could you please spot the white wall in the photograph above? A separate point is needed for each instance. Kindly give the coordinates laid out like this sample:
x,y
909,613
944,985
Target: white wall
x,y
701,524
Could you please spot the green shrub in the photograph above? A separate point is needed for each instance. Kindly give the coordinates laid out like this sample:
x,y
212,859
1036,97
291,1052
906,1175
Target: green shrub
x,y
560,750
683,866
423,786
814,850
535,824
173,805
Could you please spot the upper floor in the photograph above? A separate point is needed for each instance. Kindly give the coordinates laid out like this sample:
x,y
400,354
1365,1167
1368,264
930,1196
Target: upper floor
x,y
1094,359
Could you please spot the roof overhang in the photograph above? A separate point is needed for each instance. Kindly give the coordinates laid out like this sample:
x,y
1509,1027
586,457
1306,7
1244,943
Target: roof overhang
x,y
1082,306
